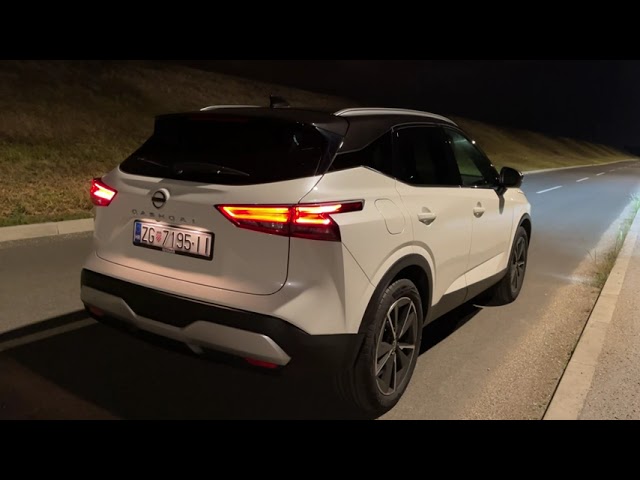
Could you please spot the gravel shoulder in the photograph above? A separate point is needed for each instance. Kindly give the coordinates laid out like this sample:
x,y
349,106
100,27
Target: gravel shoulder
x,y
615,388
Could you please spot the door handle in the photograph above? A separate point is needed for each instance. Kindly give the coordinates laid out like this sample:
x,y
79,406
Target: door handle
x,y
478,210
427,218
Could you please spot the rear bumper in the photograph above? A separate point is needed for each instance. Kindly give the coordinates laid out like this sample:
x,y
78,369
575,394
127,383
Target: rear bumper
x,y
204,326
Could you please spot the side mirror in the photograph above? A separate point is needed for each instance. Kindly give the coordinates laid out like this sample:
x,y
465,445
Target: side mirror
x,y
510,178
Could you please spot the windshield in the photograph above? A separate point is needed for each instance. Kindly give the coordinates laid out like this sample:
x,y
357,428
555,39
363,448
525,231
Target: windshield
x,y
229,150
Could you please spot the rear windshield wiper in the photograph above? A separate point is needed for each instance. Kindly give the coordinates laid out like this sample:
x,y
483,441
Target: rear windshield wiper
x,y
206,167
152,162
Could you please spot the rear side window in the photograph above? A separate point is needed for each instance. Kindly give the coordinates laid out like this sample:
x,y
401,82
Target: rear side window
x,y
376,155
229,150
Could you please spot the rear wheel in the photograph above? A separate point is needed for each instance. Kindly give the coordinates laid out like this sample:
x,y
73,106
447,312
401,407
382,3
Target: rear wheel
x,y
392,330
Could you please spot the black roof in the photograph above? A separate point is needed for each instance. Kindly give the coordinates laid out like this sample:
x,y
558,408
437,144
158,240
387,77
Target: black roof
x,y
322,120
366,128
358,130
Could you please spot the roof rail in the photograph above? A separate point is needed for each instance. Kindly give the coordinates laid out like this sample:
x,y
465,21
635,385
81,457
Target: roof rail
x,y
348,112
214,107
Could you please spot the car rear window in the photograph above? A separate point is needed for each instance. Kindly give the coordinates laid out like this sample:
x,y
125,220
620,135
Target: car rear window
x,y
229,150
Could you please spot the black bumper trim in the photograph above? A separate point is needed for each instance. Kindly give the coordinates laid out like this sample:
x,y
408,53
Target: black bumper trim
x,y
311,350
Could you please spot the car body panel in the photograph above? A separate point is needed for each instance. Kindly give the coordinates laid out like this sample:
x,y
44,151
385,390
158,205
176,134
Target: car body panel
x,y
316,286
190,205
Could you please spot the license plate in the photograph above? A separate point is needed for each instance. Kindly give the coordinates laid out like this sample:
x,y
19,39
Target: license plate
x,y
180,241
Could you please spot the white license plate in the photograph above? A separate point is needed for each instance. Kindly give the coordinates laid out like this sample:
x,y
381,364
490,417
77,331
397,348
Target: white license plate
x,y
176,240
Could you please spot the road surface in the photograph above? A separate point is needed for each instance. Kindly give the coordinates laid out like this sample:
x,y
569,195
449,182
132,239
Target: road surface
x,y
477,362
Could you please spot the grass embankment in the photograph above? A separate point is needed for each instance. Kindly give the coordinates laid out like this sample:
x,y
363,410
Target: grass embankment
x,y
64,122
526,150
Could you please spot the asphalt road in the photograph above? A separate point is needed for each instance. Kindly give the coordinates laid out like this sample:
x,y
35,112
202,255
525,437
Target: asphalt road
x,y
477,362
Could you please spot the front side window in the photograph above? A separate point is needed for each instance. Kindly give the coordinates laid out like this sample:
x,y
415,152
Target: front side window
x,y
422,157
475,168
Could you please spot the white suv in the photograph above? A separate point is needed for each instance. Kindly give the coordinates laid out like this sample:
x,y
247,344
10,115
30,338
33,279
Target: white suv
x,y
289,237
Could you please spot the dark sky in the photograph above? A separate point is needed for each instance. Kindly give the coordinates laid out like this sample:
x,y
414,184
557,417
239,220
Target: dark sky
x,y
591,100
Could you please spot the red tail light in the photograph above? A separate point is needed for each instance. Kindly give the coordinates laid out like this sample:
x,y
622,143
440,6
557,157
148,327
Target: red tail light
x,y
96,311
262,219
101,193
261,363
315,222
303,221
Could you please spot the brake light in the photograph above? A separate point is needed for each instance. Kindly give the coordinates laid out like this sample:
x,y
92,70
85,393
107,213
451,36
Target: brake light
x,y
315,222
96,311
302,221
101,193
261,363
262,219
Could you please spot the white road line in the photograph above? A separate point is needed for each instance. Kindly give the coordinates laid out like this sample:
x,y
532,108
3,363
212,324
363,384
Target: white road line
x,y
582,179
601,173
549,189
52,332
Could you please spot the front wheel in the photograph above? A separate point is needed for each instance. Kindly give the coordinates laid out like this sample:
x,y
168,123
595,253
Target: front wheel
x,y
508,289
392,330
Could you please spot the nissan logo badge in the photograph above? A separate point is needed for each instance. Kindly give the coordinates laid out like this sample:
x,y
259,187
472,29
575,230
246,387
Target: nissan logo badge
x,y
159,198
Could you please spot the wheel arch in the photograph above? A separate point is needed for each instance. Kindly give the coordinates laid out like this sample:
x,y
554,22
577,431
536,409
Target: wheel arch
x,y
413,267
525,222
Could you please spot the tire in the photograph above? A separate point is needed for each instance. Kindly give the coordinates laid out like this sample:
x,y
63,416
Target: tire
x,y
508,289
388,357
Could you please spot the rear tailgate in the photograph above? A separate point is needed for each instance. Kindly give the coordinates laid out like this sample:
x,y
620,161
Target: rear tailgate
x,y
242,260
194,162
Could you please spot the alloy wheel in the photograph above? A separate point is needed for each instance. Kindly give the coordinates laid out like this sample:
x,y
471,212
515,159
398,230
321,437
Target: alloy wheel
x,y
518,264
396,345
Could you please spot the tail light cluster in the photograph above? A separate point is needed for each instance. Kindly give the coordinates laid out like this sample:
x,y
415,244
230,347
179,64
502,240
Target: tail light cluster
x,y
303,221
101,193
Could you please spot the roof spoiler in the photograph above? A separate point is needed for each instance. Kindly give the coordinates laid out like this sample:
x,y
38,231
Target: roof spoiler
x,y
275,101
214,107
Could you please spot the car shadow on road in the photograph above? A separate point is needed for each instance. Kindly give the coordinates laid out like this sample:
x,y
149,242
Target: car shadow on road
x,y
441,328
134,379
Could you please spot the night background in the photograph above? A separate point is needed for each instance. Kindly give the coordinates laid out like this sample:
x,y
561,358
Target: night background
x,y
570,127
590,100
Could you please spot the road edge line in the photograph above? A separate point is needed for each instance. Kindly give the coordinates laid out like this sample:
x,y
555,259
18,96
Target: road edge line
x,y
48,229
571,391
51,332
